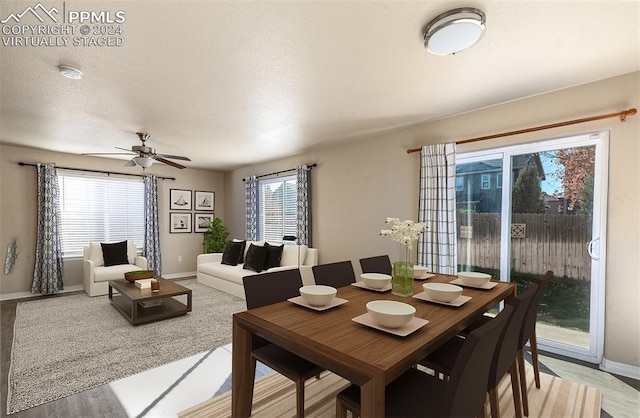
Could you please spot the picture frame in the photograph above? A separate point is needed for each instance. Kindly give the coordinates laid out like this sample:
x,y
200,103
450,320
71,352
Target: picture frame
x,y
204,201
179,199
179,223
201,221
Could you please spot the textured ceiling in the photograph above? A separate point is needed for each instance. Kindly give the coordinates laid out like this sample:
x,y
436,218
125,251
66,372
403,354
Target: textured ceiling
x,y
232,83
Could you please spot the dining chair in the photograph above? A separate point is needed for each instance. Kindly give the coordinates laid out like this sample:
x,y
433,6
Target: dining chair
x,y
377,264
419,394
334,274
266,289
504,360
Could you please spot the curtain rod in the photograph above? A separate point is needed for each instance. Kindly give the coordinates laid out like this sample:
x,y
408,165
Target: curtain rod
x,y
310,166
622,115
97,171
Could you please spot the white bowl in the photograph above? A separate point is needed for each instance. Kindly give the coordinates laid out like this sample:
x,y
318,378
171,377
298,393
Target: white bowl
x,y
318,295
375,280
474,279
389,313
442,292
419,271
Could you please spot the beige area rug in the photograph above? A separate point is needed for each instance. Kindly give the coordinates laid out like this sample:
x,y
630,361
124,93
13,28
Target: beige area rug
x,y
69,344
275,396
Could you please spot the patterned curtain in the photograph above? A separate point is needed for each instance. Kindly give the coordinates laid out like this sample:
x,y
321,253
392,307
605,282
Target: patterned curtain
x,y
437,208
304,204
151,225
251,201
47,275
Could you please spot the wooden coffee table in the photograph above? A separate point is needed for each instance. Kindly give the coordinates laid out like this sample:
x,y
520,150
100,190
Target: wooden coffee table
x,y
129,301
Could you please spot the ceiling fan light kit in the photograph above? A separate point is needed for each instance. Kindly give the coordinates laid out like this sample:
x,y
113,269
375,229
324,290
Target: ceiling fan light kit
x,y
454,31
144,162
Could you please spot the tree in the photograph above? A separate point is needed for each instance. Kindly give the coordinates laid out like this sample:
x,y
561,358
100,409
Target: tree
x,y
215,239
577,170
527,195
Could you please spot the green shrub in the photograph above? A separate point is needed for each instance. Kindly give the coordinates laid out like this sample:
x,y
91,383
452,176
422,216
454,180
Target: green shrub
x,y
215,239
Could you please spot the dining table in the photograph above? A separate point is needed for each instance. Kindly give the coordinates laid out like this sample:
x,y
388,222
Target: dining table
x,y
364,355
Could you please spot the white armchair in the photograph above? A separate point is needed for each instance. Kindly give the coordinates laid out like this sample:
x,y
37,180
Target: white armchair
x,y
96,275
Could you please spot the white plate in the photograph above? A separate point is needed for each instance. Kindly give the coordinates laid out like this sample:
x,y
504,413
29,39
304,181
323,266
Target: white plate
x,y
413,325
424,276
364,286
299,300
486,286
459,301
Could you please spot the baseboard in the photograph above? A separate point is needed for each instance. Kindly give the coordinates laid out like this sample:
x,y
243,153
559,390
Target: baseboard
x,y
179,275
620,369
22,295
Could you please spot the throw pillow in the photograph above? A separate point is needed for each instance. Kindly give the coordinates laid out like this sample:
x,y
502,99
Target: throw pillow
x,y
255,258
274,255
244,244
115,254
232,252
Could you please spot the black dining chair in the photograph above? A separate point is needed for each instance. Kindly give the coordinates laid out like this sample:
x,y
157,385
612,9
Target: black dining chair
x,y
266,289
504,361
377,264
334,274
419,394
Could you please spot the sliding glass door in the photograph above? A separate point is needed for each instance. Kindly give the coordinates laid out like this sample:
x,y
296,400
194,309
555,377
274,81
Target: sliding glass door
x,y
527,209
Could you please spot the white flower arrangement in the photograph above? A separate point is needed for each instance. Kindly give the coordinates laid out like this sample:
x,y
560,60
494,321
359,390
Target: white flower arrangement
x,y
404,232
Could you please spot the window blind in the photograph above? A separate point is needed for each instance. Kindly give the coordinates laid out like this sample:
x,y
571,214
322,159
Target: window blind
x,y
99,208
277,208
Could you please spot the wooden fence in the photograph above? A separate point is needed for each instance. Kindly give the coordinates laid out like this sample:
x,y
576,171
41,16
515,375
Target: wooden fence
x,y
546,242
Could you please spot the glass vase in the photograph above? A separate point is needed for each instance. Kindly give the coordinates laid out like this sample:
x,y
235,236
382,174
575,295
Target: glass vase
x,y
402,275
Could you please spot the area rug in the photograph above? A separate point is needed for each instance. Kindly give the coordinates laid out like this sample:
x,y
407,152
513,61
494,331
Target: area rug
x,y
69,344
274,396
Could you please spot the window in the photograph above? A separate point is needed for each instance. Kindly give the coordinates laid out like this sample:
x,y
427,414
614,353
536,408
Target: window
x,y
277,208
459,184
485,181
99,208
499,180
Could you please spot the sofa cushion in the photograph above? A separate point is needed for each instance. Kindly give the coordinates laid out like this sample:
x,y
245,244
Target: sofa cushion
x,y
290,255
95,254
224,272
255,258
104,274
232,253
274,255
244,249
115,253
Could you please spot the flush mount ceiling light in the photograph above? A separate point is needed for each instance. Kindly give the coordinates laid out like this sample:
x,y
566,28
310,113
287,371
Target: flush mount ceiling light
x,y
454,31
70,72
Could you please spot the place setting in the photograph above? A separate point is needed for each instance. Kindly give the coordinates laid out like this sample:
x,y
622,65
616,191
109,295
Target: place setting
x,y
378,282
392,317
421,273
318,298
474,280
443,294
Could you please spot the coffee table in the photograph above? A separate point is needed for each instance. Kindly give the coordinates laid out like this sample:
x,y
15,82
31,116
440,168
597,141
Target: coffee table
x,y
129,301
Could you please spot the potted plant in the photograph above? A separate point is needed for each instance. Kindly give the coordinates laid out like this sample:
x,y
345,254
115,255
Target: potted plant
x,y
215,239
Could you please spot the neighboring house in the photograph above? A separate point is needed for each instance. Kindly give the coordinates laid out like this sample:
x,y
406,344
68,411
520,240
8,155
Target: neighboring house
x,y
479,184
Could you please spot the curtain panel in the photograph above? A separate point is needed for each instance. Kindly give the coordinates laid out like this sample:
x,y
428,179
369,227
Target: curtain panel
x,y
152,226
304,204
251,204
47,274
437,208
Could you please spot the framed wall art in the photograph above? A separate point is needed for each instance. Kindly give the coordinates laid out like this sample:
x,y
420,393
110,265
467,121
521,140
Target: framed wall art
x,y
179,199
205,201
179,223
201,221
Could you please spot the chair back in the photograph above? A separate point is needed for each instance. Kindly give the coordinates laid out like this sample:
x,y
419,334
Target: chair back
x,y
532,314
508,344
377,264
467,387
269,288
334,274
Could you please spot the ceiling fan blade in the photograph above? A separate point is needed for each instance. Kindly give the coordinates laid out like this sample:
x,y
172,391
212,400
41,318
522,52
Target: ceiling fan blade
x,y
124,149
108,153
171,163
130,163
173,157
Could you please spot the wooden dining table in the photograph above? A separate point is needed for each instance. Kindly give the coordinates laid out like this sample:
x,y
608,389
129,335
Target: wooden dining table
x,y
367,357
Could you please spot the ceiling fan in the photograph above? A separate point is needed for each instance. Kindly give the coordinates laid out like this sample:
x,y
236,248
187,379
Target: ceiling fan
x,y
144,155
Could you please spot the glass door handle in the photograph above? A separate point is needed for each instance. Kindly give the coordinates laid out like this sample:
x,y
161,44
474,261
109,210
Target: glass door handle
x,y
594,249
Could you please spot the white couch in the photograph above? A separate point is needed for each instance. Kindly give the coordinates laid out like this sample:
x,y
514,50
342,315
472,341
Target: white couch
x,y
228,279
96,276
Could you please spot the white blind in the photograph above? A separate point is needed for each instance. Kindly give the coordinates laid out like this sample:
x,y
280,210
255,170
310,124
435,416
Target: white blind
x,y
277,208
99,208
